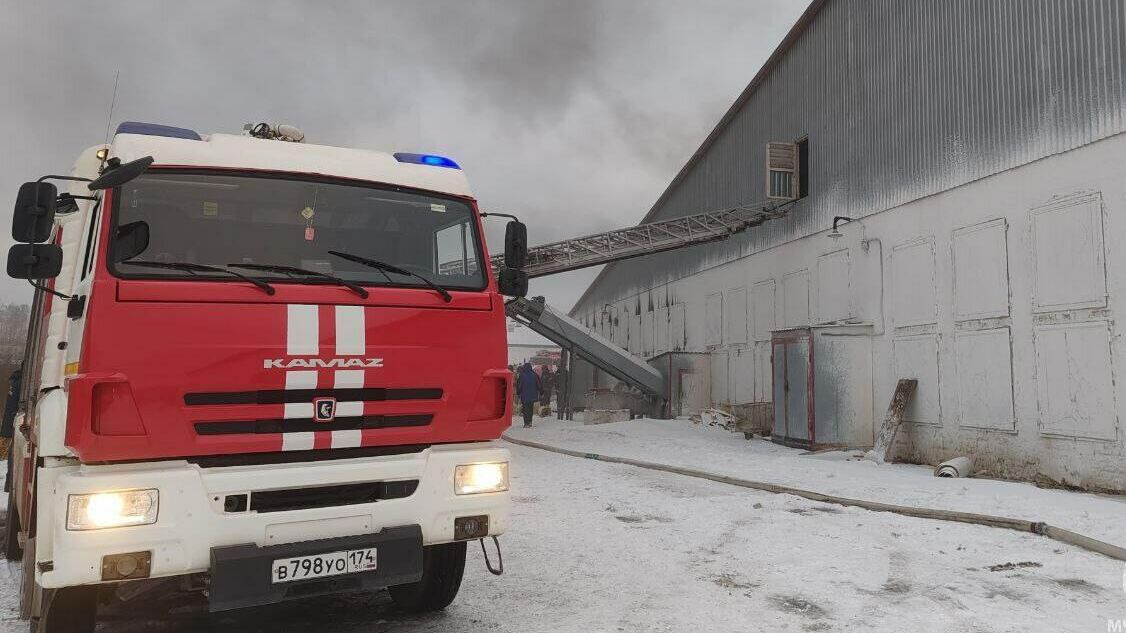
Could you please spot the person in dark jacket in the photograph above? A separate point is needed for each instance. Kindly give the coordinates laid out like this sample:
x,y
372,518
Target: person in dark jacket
x,y
529,388
547,379
11,403
7,424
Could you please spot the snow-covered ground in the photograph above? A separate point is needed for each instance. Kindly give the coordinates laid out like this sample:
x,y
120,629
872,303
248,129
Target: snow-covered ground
x,y
682,443
606,547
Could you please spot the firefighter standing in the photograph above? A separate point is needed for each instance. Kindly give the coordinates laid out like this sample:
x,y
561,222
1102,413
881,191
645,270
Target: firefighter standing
x,y
528,387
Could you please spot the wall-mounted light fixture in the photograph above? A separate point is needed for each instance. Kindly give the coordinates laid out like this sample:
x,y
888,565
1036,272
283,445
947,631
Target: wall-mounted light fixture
x,y
837,220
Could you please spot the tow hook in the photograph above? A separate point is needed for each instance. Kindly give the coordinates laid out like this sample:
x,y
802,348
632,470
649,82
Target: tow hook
x,y
499,569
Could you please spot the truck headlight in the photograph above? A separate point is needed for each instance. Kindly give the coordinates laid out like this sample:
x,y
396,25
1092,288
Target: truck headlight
x,y
471,479
111,509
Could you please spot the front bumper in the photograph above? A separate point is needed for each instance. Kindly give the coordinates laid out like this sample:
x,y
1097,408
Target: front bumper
x,y
192,520
241,574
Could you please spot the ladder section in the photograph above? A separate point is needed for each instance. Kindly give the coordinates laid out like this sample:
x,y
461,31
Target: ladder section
x,y
571,335
644,239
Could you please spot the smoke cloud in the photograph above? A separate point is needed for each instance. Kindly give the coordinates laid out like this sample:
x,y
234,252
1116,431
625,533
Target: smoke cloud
x,y
574,115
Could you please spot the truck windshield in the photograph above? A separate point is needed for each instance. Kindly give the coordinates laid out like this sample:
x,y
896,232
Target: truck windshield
x,y
219,219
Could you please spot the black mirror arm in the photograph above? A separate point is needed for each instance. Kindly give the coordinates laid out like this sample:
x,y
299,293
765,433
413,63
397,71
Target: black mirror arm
x,y
72,178
499,215
49,290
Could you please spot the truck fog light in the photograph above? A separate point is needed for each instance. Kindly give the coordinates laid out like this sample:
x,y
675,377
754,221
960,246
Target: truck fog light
x,y
126,566
471,527
471,479
111,509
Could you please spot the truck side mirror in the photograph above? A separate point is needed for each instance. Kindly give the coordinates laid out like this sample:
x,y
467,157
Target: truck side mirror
x,y
35,261
121,174
35,212
512,282
130,240
516,245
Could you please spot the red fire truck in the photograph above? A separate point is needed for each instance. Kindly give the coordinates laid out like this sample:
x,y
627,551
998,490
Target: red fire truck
x,y
257,369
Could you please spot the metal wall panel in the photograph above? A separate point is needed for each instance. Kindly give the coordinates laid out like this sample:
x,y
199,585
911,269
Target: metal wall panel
x,y
900,100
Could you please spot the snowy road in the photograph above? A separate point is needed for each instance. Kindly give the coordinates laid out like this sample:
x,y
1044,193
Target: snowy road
x,y
603,547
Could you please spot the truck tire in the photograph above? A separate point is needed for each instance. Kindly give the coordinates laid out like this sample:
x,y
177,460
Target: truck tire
x,y
12,549
67,610
442,567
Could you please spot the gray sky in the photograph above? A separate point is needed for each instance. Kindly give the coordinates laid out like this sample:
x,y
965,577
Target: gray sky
x,y
573,114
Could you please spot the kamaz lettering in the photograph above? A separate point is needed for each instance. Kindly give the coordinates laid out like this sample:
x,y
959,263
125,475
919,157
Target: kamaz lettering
x,y
322,363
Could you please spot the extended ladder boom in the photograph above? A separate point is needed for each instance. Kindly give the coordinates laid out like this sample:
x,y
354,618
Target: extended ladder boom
x,y
612,246
644,239
574,337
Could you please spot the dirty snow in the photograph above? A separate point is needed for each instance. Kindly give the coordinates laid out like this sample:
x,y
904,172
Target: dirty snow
x,y
681,443
606,547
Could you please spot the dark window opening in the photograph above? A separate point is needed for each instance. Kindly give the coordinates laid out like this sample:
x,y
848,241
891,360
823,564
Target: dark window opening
x,y
803,168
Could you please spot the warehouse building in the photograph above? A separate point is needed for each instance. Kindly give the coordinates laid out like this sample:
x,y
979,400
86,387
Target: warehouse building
x,y
976,154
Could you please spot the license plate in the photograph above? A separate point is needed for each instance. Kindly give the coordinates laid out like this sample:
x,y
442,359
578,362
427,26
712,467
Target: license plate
x,y
323,565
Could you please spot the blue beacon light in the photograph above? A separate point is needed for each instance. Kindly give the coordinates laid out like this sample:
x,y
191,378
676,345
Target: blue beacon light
x,y
426,159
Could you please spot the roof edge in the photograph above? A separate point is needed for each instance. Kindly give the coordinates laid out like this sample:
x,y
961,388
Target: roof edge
x,y
792,36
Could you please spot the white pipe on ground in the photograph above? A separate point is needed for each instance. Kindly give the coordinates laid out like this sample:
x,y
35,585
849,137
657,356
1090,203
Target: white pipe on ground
x,y
957,467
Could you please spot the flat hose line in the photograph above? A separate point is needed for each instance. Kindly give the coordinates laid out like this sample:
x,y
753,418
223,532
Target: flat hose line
x,y
1035,527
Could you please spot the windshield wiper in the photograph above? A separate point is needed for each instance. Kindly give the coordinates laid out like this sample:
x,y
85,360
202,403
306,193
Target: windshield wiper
x,y
293,270
201,268
388,268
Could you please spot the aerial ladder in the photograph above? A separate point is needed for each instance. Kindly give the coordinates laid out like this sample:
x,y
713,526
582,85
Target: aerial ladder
x,y
644,239
618,245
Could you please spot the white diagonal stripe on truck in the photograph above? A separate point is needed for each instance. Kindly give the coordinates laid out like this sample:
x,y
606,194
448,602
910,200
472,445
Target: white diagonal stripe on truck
x,y
302,330
303,339
350,330
346,439
348,379
305,379
297,441
349,409
298,410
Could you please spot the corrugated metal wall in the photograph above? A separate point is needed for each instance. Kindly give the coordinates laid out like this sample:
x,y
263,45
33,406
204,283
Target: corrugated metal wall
x,y
901,100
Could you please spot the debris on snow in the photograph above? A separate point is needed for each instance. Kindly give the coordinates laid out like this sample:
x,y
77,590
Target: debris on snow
x,y
715,417
1011,566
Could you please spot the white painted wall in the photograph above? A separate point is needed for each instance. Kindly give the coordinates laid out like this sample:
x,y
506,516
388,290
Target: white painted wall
x,y
1000,296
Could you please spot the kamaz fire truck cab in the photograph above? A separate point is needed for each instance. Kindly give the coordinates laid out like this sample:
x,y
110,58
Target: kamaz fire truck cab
x,y
258,370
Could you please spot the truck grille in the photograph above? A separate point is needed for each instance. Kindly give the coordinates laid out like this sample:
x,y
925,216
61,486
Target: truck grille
x,y
282,396
305,425
296,457
328,496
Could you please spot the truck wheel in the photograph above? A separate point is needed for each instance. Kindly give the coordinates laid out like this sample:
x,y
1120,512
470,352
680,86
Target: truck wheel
x,y
442,567
67,610
12,549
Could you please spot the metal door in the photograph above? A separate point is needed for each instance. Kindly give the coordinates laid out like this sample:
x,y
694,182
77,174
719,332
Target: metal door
x,y
693,393
778,362
797,391
792,358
